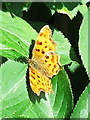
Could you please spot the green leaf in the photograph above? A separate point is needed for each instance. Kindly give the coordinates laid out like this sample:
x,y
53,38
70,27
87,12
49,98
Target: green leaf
x,y
7,52
14,93
85,1
63,47
74,65
83,9
15,7
83,41
82,110
60,101
18,100
66,9
16,35
69,8
71,5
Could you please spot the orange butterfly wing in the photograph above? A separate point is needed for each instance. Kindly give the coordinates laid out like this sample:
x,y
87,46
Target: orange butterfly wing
x,y
44,43
38,82
44,63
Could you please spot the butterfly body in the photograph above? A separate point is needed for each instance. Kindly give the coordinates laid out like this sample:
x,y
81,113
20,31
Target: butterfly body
x,y
37,66
44,63
33,63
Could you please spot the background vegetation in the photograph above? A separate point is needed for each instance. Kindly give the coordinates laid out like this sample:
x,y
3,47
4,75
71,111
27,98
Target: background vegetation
x,y
19,27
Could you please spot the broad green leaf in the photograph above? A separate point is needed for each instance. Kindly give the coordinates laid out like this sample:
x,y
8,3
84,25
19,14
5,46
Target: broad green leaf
x,y
83,41
19,101
63,47
71,5
15,7
82,9
15,34
7,52
69,8
72,13
82,108
62,97
14,93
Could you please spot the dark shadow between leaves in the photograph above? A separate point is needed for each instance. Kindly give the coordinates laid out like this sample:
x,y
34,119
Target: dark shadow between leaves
x,y
2,60
33,97
78,79
21,60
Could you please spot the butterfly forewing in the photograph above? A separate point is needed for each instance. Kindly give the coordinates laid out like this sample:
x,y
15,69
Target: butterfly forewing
x,y
44,43
50,62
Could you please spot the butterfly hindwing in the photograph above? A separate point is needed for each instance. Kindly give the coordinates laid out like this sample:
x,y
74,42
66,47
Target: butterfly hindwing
x,y
39,82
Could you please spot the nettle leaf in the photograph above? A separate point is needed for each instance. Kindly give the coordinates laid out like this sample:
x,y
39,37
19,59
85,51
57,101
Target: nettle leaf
x,y
68,8
16,35
15,7
63,47
82,109
83,40
18,100
62,95
13,88
7,52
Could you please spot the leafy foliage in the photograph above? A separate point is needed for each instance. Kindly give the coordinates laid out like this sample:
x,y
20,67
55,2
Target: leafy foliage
x,y
83,42
15,99
64,51
16,35
15,8
68,8
16,43
82,109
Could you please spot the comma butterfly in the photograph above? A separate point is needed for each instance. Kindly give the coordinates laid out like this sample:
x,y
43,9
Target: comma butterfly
x,y
44,63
